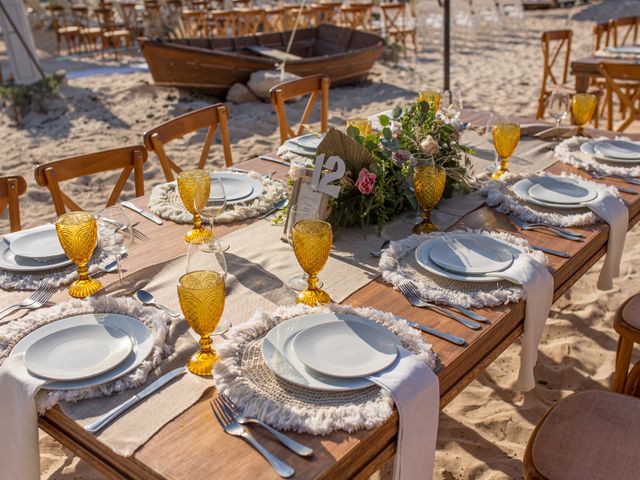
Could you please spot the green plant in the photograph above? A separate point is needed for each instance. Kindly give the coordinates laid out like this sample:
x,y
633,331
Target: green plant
x,y
23,98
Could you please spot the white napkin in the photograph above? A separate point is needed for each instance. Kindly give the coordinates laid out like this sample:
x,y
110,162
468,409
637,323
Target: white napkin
x,y
613,211
19,455
538,294
416,393
10,237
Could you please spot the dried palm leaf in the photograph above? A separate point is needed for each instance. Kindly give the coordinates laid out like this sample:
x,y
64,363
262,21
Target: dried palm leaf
x,y
355,156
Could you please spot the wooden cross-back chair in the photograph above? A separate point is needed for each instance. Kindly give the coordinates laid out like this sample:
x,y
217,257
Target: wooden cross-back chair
x,y
112,34
314,86
11,187
130,20
555,45
273,19
248,20
174,7
625,31
89,34
128,159
290,12
59,23
326,13
623,81
601,36
356,16
221,23
397,25
194,23
208,117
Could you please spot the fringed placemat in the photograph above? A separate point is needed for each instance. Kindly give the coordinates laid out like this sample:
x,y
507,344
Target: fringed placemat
x,y
569,152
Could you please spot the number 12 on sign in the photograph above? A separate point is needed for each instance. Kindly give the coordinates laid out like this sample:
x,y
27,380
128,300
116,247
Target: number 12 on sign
x,y
323,182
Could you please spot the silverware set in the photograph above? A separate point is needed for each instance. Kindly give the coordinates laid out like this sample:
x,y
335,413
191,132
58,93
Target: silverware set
x,y
136,233
34,301
147,298
626,178
552,229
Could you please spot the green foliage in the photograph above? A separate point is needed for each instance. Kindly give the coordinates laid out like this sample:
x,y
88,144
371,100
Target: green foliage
x,y
24,98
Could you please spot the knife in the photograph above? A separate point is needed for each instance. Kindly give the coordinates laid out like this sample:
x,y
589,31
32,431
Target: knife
x,y
147,215
274,160
114,413
550,251
438,333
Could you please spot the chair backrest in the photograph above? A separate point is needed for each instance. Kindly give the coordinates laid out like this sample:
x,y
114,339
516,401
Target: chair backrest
x,y
620,80
58,16
273,19
394,16
316,85
80,16
248,20
208,117
127,159
194,22
601,35
625,30
221,23
128,14
105,17
326,13
357,16
554,43
11,187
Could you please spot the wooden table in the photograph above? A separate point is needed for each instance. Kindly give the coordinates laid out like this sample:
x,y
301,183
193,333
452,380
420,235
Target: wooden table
x,y
193,445
587,67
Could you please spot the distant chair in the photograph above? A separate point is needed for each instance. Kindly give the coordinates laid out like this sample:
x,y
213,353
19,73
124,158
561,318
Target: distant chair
x,y
626,323
128,159
194,23
398,25
601,36
221,23
89,34
326,13
356,16
112,34
291,11
208,117
59,23
314,86
248,20
625,31
273,19
11,187
623,80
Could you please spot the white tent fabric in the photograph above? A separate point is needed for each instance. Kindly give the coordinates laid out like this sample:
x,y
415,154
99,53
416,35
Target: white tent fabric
x,y
22,63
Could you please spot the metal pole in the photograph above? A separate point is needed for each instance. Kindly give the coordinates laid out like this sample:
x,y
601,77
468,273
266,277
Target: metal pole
x,y
447,43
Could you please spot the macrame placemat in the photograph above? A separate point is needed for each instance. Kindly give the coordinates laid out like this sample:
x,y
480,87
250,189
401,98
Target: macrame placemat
x,y
398,265
500,196
569,152
242,374
165,202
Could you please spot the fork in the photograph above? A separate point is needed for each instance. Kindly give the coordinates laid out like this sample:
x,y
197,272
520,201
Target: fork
x,y
238,414
416,301
36,300
626,178
561,232
232,427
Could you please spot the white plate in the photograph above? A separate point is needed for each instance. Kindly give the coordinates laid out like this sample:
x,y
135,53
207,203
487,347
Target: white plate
x,y
621,149
632,49
522,187
345,349
278,354
589,149
79,352
236,186
139,333
562,190
298,150
39,245
470,254
423,258
310,141
9,261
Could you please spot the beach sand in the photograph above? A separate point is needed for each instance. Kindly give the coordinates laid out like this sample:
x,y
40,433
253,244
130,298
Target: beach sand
x,y
484,431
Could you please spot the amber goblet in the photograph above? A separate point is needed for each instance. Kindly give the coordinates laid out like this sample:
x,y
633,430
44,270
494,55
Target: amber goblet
x,y
191,184
583,106
362,124
428,184
312,240
506,136
432,97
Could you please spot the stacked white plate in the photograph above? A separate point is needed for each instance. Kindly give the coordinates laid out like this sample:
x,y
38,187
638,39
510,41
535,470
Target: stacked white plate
x,y
304,145
622,152
466,257
238,187
556,192
329,352
35,250
85,350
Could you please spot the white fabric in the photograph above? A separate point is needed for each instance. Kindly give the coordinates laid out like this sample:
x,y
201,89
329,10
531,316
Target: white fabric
x,y
416,393
19,454
613,211
538,293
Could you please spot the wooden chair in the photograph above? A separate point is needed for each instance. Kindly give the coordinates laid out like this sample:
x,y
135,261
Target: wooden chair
x,y
194,23
174,8
127,159
623,80
601,36
70,33
398,26
221,23
356,16
555,44
588,435
248,20
317,85
208,117
89,34
130,19
625,31
326,13
273,19
11,187
112,35
291,14
626,323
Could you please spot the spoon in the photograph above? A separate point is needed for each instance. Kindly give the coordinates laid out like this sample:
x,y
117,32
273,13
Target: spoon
x,y
111,267
378,253
146,298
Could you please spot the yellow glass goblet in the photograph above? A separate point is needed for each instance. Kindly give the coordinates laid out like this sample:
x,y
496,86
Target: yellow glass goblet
x,y
190,182
432,97
362,124
506,136
428,184
312,241
202,294
78,234
583,106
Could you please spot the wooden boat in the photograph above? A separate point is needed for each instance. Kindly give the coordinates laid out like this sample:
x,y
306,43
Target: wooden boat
x,y
214,64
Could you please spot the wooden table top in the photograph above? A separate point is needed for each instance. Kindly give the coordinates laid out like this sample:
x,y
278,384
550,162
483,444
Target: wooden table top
x,y
194,446
589,65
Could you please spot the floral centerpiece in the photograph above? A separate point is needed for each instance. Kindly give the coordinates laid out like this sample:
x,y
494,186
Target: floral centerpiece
x,y
377,183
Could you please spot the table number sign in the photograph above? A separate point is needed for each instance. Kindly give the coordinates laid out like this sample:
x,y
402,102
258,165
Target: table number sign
x,y
327,171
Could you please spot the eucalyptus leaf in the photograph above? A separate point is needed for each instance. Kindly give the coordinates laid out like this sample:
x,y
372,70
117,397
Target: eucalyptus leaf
x,y
384,120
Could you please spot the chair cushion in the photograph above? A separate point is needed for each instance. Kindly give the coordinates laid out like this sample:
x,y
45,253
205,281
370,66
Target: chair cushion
x,y
631,312
590,435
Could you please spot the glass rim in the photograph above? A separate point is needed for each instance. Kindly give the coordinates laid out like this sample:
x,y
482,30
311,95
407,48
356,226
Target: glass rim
x,y
193,171
64,216
311,220
182,277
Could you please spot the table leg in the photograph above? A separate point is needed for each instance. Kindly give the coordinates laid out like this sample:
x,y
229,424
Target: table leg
x,y
582,82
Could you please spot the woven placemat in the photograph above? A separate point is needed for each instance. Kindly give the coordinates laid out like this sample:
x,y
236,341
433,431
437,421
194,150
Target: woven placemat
x,y
569,152
165,202
242,374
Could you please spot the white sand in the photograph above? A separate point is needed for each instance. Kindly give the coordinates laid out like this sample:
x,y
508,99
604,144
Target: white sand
x,y
483,432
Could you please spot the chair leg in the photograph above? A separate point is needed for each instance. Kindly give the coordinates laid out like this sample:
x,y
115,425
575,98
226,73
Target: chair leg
x,y
541,106
623,360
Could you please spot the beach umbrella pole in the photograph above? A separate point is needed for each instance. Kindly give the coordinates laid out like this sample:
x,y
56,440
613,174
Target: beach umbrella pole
x,y
447,42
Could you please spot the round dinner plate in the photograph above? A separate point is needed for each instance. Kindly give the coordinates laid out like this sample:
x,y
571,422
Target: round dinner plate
x,y
39,245
78,352
139,333
618,149
345,349
522,187
298,150
13,263
470,254
558,190
278,353
310,141
236,186
589,149
423,257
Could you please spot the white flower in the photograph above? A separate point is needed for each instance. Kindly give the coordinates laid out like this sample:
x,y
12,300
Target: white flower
x,y
429,146
296,171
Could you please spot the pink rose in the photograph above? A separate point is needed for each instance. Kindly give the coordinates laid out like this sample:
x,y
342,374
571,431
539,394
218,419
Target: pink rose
x,y
366,181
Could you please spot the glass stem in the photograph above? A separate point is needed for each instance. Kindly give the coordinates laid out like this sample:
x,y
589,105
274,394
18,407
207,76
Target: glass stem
x,y
205,344
312,281
119,262
212,235
83,271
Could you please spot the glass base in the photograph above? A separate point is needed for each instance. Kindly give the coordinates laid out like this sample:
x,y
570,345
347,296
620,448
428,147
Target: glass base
x,y
197,235
202,363
424,227
313,298
299,283
498,174
84,288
